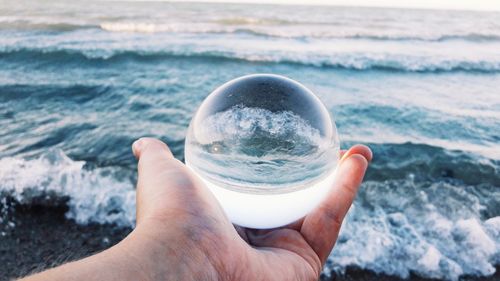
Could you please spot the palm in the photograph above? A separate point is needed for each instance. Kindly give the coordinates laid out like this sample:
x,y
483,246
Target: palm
x,y
281,254
167,189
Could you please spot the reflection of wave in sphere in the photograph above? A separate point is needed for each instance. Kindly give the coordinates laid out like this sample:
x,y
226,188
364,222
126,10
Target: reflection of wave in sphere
x,y
262,135
254,147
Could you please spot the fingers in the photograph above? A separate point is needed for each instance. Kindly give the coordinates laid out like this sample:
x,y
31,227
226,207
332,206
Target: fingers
x,y
321,227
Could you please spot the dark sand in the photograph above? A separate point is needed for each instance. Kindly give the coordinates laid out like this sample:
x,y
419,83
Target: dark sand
x,y
42,237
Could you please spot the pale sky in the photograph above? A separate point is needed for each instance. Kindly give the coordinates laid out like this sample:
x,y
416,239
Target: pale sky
x,y
488,5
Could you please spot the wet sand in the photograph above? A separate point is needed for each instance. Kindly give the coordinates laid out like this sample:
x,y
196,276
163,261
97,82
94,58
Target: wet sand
x,y
39,237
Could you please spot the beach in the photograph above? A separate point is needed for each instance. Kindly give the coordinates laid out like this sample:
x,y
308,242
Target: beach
x,y
79,83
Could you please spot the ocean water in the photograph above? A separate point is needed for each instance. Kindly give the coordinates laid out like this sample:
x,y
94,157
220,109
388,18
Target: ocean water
x,y
80,82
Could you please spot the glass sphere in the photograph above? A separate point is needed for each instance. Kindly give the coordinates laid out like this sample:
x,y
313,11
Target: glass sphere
x,y
266,147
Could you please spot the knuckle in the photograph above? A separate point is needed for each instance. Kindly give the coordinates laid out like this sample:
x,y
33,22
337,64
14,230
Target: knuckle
x,y
333,217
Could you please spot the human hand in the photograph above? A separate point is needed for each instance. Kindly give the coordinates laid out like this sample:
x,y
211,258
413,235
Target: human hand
x,y
184,233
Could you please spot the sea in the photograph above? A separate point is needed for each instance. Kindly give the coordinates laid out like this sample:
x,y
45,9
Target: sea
x,y
79,82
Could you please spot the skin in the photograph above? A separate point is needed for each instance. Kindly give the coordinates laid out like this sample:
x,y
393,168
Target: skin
x,y
183,234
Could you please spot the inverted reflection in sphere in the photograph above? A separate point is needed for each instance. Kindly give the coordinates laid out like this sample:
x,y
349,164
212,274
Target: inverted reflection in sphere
x,y
266,147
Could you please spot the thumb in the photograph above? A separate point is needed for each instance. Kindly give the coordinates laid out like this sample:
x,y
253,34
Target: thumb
x,y
321,227
141,146
166,189
163,181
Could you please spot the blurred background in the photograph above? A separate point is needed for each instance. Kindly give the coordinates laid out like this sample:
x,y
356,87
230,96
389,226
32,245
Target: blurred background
x,y
79,82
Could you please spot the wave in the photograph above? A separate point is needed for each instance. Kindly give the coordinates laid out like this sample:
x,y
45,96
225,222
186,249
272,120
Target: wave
x,y
426,162
94,195
347,61
226,145
24,25
436,229
474,37
432,229
238,124
261,27
259,21
245,26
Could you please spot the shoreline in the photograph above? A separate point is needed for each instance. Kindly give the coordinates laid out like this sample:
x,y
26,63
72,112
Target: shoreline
x,y
37,237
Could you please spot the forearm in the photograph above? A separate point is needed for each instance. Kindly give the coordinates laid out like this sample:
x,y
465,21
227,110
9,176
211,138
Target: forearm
x,y
140,256
116,263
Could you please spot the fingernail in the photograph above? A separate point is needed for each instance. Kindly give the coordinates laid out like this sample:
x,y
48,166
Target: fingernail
x,y
138,145
344,156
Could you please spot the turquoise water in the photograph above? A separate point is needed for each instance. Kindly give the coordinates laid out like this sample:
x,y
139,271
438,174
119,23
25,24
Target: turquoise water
x,y
79,83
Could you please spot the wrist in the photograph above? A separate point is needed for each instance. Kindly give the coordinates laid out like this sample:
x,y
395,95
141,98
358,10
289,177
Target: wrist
x,y
161,254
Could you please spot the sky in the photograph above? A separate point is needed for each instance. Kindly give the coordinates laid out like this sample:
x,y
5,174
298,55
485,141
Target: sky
x,y
488,5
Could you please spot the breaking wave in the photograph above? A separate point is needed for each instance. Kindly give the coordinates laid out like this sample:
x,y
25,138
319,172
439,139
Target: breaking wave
x,y
261,27
94,195
257,27
433,229
349,61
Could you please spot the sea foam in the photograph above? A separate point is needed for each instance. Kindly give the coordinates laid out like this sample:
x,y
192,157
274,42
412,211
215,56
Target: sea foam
x,y
434,230
334,60
94,195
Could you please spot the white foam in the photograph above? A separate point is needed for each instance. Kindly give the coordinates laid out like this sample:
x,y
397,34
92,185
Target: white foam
x,y
141,27
430,260
339,53
241,122
282,29
434,231
94,196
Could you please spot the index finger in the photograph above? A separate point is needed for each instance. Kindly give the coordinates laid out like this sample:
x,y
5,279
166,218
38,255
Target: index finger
x,y
321,227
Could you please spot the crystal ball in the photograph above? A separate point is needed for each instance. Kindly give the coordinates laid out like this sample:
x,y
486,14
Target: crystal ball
x,y
266,147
